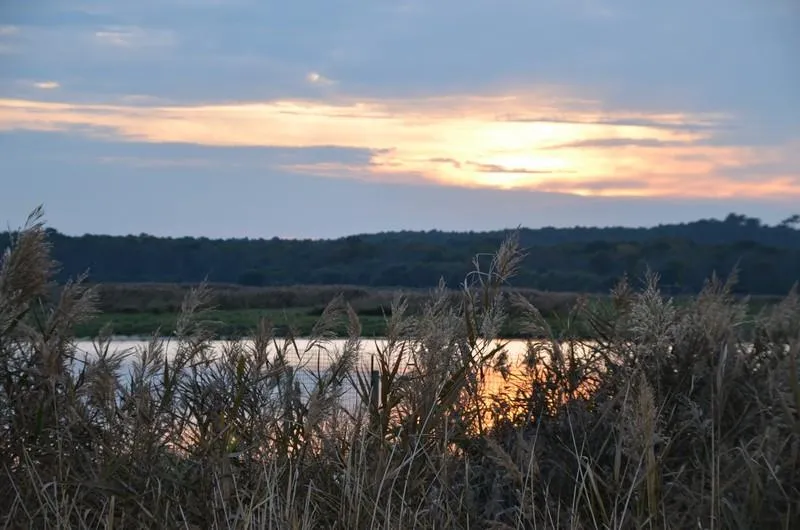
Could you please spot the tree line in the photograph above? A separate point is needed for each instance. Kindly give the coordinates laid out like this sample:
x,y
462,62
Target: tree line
x,y
584,259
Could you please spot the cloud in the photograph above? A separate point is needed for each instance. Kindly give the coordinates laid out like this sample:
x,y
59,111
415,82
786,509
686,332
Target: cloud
x,y
143,99
455,141
47,85
438,102
647,57
660,185
497,168
7,33
315,78
625,52
639,90
619,142
234,206
134,37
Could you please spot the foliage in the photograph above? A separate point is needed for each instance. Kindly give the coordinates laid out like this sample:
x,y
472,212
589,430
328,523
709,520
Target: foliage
x,y
671,419
569,259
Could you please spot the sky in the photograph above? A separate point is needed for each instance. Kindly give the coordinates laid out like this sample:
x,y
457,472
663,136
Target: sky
x,y
324,118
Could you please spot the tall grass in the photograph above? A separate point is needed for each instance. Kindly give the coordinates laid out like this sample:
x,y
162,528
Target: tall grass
x,y
675,417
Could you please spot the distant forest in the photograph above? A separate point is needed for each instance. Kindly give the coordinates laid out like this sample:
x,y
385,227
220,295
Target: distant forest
x,y
558,259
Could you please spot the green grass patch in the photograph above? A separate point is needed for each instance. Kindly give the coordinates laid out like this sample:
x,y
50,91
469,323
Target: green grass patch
x,y
228,323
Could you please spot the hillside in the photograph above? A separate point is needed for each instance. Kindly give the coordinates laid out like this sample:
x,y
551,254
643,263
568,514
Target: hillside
x,y
566,259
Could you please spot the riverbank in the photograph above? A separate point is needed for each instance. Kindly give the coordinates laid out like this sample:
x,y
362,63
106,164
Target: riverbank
x,y
298,322
142,309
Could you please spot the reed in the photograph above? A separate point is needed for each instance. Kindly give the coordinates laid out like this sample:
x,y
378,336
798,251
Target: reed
x,y
677,416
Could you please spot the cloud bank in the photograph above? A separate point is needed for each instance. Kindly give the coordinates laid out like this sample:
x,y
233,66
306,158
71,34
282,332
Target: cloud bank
x,y
506,142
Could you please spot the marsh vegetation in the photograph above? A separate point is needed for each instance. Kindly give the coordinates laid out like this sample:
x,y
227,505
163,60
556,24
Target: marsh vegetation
x,y
675,416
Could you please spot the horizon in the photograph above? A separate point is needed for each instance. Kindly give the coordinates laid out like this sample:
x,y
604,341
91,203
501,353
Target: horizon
x,y
792,222
324,119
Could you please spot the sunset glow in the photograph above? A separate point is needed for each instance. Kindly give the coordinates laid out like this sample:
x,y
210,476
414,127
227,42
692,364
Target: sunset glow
x,y
504,142
530,113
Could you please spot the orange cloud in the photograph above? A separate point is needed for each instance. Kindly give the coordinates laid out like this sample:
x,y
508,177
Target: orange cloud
x,y
535,142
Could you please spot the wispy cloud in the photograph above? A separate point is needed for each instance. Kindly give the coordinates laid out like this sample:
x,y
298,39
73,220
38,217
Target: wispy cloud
x,y
133,37
7,33
139,99
315,78
47,85
618,142
660,185
152,163
458,141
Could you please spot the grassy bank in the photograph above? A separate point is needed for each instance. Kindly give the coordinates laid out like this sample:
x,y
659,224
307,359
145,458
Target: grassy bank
x,y
560,312
226,323
241,323
680,416
139,309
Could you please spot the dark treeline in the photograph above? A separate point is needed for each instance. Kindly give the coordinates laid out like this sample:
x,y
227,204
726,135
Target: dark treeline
x,y
565,259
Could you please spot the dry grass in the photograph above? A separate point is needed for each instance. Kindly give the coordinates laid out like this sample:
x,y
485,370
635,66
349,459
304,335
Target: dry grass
x,y
167,298
676,418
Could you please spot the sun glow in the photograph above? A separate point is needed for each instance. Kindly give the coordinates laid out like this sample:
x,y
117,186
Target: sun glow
x,y
505,142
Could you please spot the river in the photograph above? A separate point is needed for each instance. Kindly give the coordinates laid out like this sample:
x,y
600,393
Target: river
x,y
317,357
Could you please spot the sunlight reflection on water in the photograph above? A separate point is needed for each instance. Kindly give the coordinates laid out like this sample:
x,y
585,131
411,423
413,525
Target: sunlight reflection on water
x,y
515,349
314,358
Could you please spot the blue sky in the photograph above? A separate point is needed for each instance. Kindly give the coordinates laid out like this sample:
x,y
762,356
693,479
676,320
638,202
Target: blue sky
x,y
323,118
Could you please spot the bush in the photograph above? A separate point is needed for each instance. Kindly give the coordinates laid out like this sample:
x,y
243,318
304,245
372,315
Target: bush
x,y
674,417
